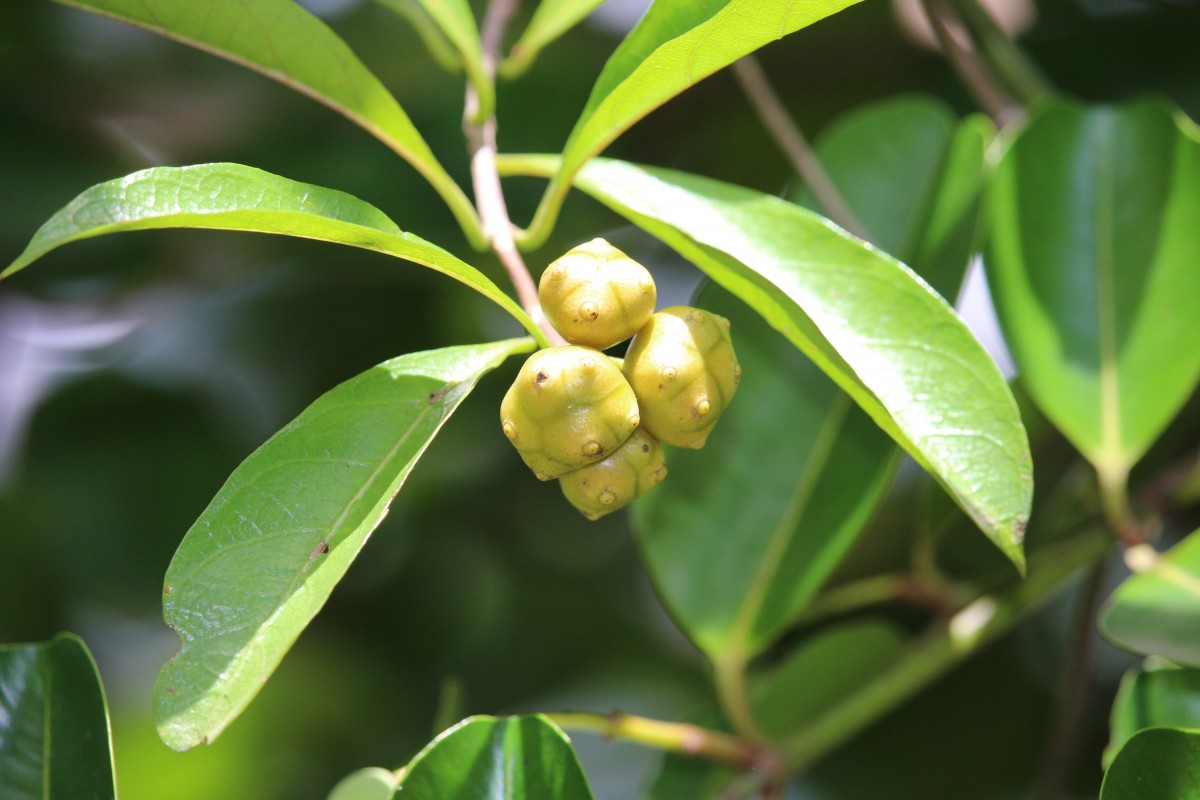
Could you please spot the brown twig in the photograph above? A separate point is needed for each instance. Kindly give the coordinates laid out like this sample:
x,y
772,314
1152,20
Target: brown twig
x,y
959,51
489,194
791,140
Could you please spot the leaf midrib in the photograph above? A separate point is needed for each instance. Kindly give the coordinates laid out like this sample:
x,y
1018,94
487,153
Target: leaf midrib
x,y
330,528
1106,312
781,537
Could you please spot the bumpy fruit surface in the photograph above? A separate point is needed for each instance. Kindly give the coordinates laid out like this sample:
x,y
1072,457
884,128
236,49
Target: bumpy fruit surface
x,y
569,407
684,372
597,296
598,489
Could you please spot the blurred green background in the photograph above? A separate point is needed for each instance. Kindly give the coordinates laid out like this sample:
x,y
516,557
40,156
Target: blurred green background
x,y
137,371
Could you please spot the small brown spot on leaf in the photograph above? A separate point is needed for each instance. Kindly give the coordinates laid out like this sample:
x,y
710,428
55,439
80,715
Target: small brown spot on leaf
x,y
320,550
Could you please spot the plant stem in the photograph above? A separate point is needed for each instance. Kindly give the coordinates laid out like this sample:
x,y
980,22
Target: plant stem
x,y
1114,502
938,598
945,645
730,679
1062,748
431,35
489,195
674,737
965,60
791,140
1007,60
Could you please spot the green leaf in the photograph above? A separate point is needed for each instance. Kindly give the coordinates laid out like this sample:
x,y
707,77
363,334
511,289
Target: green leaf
x,y
913,175
455,19
882,334
1093,266
1155,611
239,198
54,737
748,529
676,45
1158,763
822,672
435,41
1157,695
551,20
490,758
264,556
284,42
370,783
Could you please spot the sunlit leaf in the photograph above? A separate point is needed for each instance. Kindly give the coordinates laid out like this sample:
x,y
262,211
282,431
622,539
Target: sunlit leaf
x,y
676,45
239,198
552,19
1092,259
866,320
264,556
54,737
500,758
1155,612
281,40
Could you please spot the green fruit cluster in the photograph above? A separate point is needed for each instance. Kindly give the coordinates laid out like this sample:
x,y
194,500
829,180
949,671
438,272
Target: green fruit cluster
x,y
595,423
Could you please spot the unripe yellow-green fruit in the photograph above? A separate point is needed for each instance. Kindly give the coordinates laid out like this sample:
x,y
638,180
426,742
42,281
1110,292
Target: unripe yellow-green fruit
x,y
569,406
598,489
684,372
597,296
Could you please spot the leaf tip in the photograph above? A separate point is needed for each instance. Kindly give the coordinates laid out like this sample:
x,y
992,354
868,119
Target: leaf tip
x,y
1014,546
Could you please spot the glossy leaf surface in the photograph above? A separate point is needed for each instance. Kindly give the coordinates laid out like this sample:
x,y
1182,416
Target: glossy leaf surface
x,y
1092,260
1159,763
455,19
54,737
552,19
264,556
675,45
1155,696
239,198
490,758
883,336
281,40
913,175
746,530
1155,612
